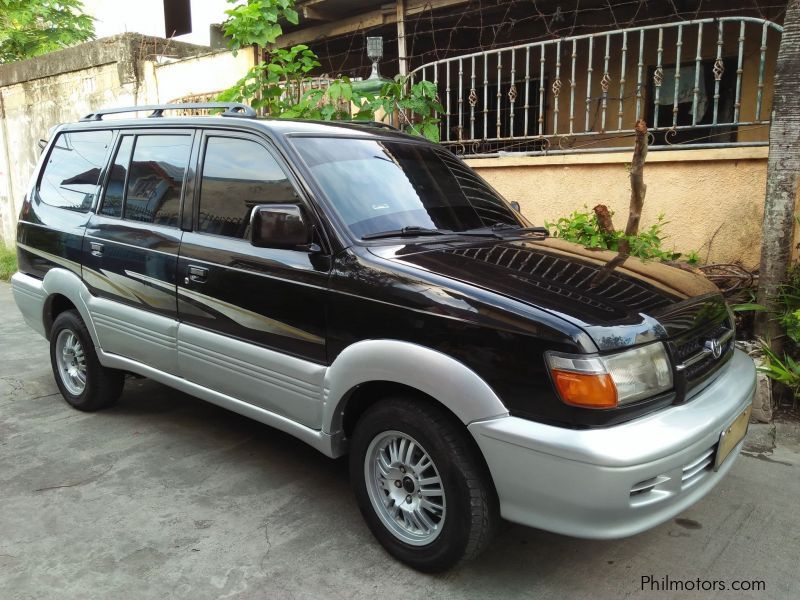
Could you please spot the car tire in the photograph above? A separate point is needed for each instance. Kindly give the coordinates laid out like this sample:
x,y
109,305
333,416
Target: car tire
x,y
82,380
397,491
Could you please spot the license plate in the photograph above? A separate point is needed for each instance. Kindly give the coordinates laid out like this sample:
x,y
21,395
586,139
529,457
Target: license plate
x,y
731,436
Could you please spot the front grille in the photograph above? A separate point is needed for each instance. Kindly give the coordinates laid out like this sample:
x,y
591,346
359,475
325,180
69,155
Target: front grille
x,y
688,348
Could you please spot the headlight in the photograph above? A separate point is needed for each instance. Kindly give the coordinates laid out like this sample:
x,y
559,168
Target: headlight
x,y
611,380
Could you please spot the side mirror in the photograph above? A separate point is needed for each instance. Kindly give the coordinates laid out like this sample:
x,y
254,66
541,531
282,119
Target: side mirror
x,y
279,226
515,205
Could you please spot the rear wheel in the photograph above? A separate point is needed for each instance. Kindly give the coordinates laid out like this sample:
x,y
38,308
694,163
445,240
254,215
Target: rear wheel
x,y
83,381
421,485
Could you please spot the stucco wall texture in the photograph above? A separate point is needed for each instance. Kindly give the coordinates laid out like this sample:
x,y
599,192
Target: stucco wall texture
x,y
713,199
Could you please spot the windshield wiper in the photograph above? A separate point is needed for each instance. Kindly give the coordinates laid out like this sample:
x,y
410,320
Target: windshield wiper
x,y
409,231
493,231
511,228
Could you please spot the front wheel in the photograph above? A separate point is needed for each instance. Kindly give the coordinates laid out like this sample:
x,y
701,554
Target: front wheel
x,y
83,381
421,485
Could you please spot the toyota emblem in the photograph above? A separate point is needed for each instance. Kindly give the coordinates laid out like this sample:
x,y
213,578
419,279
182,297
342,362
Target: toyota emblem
x,y
714,347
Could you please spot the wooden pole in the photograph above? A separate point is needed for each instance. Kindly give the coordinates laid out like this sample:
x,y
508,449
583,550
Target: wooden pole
x,y
401,37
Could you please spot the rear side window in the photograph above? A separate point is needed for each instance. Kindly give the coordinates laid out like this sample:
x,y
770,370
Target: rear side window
x,y
155,181
72,171
238,175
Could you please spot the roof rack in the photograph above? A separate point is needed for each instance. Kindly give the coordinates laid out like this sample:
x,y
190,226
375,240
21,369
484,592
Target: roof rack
x,y
378,124
232,109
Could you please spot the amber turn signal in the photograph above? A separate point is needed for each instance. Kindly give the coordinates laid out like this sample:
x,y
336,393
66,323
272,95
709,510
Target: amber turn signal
x,y
590,390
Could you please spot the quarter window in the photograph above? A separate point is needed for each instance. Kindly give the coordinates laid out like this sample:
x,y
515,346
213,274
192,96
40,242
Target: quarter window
x,y
73,169
115,188
153,193
238,175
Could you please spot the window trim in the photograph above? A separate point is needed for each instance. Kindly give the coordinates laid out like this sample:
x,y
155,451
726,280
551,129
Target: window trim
x,y
99,187
121,135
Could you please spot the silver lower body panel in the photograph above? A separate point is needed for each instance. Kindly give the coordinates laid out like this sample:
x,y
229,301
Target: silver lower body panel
x,y
327,444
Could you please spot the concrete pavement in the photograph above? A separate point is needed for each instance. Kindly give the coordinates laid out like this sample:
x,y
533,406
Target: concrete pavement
x,y
165,496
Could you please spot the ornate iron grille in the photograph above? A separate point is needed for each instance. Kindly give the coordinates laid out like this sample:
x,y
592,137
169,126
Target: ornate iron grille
x,y
702,81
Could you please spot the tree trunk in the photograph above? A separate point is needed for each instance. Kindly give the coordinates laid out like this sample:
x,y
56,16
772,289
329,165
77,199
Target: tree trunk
x,y
638,187
604,221
782,173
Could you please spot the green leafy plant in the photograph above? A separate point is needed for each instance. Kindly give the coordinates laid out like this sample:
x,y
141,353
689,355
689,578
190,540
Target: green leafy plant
x,y
417,105
785,308
785,371
748,307
329,103
257,22
787,305
275,86
582,227
29,28
692,257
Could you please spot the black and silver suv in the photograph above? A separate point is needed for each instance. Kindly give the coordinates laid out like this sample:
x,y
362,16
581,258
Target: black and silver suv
x,y
367,292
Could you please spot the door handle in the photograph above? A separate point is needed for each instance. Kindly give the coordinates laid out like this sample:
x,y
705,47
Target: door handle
x,y
96,248
197,274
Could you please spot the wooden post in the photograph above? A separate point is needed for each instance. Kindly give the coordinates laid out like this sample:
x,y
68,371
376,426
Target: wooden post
x,y
401,37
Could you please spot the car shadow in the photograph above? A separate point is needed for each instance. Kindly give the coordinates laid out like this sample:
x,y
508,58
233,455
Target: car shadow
x,y
519,550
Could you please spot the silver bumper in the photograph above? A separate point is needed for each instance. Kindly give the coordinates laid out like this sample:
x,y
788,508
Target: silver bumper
x,y
29,296
616,481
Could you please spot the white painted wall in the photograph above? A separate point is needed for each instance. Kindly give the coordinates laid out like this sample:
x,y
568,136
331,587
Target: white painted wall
x,y
147,17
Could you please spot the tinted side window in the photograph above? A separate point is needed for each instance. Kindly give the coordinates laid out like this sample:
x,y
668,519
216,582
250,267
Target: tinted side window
x,y
238,175
115,188
73,168
156,178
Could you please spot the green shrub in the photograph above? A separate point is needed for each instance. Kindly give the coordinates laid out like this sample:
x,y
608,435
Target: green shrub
x,y
785,372
786,310
582,228
8,263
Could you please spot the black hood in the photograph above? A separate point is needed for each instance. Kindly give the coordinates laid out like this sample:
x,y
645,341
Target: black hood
x,y
618,301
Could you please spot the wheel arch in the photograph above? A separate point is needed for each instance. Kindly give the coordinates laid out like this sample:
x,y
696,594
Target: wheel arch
x,y
54,305
65,290
368,370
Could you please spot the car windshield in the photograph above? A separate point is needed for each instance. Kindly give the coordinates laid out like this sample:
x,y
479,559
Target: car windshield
x,y
379,186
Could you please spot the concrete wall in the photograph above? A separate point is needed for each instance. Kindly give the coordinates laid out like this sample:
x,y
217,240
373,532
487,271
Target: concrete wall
x,y
124,70
713,199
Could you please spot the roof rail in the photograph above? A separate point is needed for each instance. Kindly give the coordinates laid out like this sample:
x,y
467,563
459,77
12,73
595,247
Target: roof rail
x,y
377,124
232,109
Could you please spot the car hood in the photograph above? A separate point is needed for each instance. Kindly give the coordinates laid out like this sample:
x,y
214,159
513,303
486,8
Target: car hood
x,y
619,301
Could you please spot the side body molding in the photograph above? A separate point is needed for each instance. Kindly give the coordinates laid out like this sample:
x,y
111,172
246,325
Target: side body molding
x,y
447,380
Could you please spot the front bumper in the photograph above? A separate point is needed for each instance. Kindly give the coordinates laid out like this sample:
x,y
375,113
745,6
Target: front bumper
x,y
621,480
